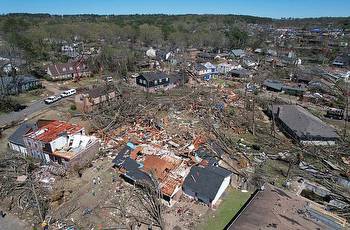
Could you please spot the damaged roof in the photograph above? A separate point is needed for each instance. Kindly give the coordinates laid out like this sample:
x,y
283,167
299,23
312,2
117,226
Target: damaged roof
x,y
99,91
54,129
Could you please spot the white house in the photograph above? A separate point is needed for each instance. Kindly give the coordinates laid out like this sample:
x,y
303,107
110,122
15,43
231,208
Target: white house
x,y
16,142
207,184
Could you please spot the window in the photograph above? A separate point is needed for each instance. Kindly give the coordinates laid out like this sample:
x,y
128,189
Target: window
x,y
160,80
155,82
144,82
167,79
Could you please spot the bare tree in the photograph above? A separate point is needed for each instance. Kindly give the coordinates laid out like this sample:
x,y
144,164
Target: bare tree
x,y
149,196
143,206
17,182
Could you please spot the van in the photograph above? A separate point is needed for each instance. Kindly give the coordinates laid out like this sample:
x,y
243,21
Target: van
x,y
68,93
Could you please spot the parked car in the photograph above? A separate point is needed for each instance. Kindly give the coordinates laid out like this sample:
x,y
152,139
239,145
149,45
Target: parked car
x,y
68,93
52,99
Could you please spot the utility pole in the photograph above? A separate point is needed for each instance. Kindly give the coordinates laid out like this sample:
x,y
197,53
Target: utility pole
x,y
346,105
253,114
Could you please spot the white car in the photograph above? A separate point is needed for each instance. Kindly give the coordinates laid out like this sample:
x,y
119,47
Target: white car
x,y
68,93
52,99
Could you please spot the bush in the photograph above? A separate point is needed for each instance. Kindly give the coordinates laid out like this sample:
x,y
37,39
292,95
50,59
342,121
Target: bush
x,y
73,107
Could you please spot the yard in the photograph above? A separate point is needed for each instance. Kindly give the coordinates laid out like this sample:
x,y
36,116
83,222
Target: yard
x,y
30,96
230,205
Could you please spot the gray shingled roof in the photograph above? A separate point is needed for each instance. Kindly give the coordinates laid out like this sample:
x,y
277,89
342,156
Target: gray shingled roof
x,y
303,124
138,175
273,84
238,52
122,155
199,67
17,136
206,181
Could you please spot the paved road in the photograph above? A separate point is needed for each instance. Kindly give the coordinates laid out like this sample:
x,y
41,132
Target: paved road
x,y
8,118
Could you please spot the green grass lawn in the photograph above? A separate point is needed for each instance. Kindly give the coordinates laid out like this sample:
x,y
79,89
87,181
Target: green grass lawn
x,y
29,97
231,204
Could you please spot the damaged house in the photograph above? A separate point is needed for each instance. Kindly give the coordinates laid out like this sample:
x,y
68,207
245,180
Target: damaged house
x,y
173,173
139,163
60,142
89,99
302,126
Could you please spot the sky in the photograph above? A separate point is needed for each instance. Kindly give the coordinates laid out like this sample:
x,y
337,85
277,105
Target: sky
x,y
264,8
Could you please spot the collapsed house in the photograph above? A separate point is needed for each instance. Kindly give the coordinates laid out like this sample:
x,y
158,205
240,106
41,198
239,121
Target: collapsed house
x,y
56,141
302,126
173,173
137,164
